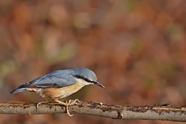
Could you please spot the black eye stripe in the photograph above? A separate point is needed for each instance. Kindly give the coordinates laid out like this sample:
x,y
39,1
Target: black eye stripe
x,y
81,77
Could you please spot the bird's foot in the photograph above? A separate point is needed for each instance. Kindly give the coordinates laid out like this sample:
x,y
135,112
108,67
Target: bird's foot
x,y
67,104
73,102
38,104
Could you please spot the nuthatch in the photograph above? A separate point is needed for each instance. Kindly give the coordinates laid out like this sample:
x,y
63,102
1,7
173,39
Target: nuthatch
x,y
60,84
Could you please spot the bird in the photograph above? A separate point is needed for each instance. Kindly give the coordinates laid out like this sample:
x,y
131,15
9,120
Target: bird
x,y
60,84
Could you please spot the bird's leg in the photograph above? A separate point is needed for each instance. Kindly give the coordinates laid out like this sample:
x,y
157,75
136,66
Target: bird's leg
x,y
70,102
45,101
65,104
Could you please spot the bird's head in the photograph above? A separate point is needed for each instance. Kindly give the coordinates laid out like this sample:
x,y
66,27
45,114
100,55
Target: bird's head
x,y
87,76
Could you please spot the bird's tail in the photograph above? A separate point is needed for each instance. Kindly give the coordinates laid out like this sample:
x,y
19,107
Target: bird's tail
x,y
17,90
21,88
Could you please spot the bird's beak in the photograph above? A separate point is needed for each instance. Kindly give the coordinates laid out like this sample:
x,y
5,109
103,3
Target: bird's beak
x,y
99,84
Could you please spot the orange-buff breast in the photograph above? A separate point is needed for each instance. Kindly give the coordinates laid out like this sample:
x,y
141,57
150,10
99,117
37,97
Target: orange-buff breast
x,y
61,92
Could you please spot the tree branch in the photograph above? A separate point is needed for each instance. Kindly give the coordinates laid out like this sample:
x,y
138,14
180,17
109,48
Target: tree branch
x,y
155,112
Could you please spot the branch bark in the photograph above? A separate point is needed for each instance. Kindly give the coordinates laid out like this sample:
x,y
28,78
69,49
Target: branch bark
x,y
156,112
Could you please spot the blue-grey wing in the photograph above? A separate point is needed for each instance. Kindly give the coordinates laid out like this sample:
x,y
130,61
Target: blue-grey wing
x,y
55,79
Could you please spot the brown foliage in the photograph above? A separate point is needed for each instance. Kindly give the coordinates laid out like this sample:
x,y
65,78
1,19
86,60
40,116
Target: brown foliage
x,y
136,48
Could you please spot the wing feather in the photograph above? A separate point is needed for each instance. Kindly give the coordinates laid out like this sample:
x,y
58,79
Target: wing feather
x,y
55,79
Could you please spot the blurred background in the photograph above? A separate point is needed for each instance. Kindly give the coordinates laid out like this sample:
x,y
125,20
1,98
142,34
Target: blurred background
x,y
136,48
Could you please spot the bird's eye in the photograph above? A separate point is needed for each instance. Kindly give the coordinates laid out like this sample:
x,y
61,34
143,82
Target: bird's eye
x,y
83,78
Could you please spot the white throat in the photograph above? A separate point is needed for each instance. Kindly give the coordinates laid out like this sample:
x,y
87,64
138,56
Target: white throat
x,y
84,82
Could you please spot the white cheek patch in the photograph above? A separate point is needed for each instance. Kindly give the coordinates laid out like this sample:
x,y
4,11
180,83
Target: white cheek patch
x,y
84,82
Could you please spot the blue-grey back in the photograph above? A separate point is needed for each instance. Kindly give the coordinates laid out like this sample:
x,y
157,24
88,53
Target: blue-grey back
x,y
61,78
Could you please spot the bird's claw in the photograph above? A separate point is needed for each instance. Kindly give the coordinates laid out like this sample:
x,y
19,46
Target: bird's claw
x,y
71,102
38,104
